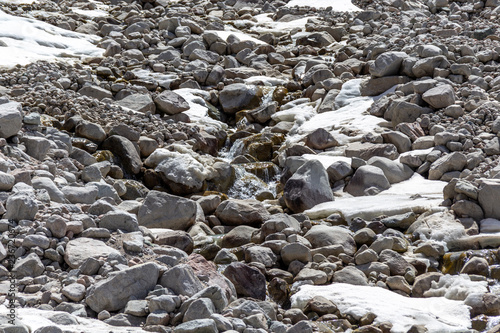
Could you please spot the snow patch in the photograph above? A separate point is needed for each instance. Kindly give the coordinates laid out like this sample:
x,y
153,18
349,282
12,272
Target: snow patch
x,y
33,40
438,314
456,287
336,5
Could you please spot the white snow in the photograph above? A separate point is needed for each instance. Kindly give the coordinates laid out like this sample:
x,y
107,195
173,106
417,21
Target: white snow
x,y
35,319
19,2
268,81
438,314
326,159
90,12
456,287
337,5
241,35
33,40
399,199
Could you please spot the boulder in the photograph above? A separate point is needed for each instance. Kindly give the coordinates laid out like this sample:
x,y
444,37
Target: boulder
x,y
7,181
163,210
440,97
47,184
308,187
295,251
320,139
248,281
170,103
367,180
80,249
197,326
238,236
125,150
181,280
113,293
138,102
28,266
20,206
236,212
450,162
395,172
11,119
489,191
91,131
80,194
238,96
387,64
36,147
182,171
350,275
367,150
322,235
95,92
115,220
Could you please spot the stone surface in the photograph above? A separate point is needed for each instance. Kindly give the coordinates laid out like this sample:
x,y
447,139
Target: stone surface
x,y
80,249
11,119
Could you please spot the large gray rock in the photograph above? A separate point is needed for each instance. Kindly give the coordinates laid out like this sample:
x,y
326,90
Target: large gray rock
x,y
489,193
182,280
405,112
397,264
238,96
395,172
242,212
163,210
425,67
248,281
440,97
80,249
114,293
47,184
201,308
20,206
170,103
316,39
450,162
124,149
183,173
138,102
387,64
80,194
11,119
238,236
115,220
308,187
367,150
90,131
367,180
350,275
295,251
197,326
28,266
95,92
7,181
36,147
322,235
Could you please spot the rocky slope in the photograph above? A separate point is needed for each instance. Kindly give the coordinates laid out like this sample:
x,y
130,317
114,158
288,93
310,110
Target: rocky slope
x,y
249,166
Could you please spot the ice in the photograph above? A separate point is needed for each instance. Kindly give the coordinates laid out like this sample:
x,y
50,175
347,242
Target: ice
x,y
33,40
399,199
35,319
337,5
438,314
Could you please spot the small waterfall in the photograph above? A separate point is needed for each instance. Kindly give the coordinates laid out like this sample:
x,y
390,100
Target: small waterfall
x,y
247,185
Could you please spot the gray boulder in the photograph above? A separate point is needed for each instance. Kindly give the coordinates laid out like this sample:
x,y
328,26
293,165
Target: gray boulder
x,y
170,103
80,249
440,97
395,172
248,281
91,131
182,280
308,187
11,119
236,212
322,235
350,275
20,206
450,162
163,210
80,194
238,96
28,266
138,102
7,181
367,180
367,150
114,293
47,184
95,92
488,193
197,326
387,64
115,220
36,147
125,150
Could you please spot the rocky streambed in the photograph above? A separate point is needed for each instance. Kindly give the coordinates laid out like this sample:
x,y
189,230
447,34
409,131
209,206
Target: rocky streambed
x,y
249,166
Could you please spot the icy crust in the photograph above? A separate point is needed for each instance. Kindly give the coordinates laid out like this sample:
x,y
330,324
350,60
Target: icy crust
x,y
33,40
337,5
399,199
35,319
438,314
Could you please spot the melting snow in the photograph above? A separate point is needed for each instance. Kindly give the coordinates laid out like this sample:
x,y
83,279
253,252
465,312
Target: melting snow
x,y
33,40
438,314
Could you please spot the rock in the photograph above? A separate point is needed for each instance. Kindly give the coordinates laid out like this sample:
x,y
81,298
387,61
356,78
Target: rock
x,y
260,254
387,64
7,181
11,119
80,249
182,171
316,39
398,139
376,86
238,236
488,191
248,281
367,180
181,280
163,210
170,103
238,96
236,212
20,206
492,147
176,238
47,184
124,149
80,194
477,266
75,292
366,151
95,92
138,102
57,226
308,187
28,266
113,293
423,283
395,172
295,251
314,275
115,220
321,236
450,162
440,97
350,275
320,139
91,131
36,147
397,264
201,308
405,112
197,326
339,170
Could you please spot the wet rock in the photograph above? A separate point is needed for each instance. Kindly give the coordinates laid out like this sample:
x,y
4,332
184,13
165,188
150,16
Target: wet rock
x,y
308,187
